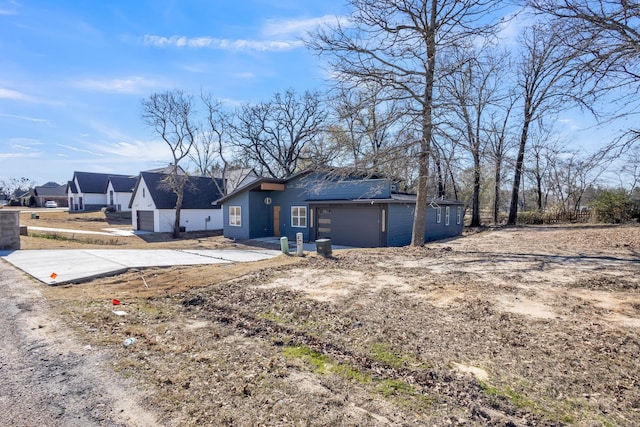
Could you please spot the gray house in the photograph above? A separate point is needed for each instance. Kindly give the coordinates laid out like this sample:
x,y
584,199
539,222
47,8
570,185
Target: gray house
x,y
353,210
51,191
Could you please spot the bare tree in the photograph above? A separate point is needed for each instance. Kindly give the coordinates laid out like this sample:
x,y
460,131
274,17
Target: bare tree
x,y
605,39
544,79
210,152
394,44
472,93
499,138
207,148
8,189
606,34
274,134
171,115
369,124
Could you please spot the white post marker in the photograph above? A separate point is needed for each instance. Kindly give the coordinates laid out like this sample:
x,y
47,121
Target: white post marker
x,y
299,245
284,245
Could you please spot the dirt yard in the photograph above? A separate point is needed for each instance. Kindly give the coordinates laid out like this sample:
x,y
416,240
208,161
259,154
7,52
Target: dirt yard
x,y
514,326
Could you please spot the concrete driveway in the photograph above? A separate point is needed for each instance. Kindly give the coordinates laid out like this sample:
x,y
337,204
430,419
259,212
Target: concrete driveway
x,y
55,267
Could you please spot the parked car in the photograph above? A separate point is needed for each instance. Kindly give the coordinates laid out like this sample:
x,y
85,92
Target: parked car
x,y
50,204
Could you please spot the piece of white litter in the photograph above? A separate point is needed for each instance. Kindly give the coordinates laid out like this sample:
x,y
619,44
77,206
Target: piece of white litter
x,y
119,313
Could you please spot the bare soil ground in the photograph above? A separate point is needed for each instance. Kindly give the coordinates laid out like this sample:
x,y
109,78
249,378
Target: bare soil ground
x,y
511,326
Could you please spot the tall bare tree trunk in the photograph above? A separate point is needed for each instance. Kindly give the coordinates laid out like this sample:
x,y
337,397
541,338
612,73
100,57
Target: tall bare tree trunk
x,y
420,214
515,192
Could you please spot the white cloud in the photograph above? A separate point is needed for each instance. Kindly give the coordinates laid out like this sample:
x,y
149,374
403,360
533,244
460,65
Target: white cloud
x,y
80,150
9,8
26,118
25,142
136,150
20,96
279,35
299,27
130,85
221,44
13,94
18,155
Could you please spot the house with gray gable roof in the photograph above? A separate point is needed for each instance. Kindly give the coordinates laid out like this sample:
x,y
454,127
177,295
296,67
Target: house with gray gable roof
x,y
87,191
51,191
119,191
153,204
351,209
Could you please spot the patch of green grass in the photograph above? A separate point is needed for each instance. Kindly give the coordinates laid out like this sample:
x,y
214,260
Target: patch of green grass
x,y
273,317
51,237
352,373
392,387
319,361
87,240
510,394
323,365
382,352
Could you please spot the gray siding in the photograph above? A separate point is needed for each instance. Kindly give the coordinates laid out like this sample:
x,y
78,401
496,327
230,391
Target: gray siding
x,y
400,224
261,214
242,232
294,196
442,230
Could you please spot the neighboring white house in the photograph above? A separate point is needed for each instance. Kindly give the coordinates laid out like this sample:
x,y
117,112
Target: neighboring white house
x,y
153,204
119,192
87,191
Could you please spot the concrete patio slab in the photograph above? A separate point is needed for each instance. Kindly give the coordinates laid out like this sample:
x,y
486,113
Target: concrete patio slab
x,y
55,267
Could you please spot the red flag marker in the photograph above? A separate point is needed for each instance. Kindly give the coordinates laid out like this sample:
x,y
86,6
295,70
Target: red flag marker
x,y
53,276
115,302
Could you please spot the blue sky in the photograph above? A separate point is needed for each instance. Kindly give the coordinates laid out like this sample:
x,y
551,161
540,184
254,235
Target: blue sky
x,y
72,73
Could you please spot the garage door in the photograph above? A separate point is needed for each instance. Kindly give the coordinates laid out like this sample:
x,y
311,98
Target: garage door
x,y
145,220
357,226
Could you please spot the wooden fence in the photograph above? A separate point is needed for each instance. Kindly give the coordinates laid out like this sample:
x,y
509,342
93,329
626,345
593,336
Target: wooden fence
x,y
535,217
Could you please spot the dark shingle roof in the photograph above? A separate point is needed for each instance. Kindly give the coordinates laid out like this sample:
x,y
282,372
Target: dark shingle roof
x,y
123,184
48,190
91,182
199,193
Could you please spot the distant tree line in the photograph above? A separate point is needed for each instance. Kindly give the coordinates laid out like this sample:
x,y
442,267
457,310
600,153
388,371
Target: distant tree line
x,y
429,93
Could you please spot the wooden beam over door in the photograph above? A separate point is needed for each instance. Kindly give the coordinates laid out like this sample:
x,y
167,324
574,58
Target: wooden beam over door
x,y
272,186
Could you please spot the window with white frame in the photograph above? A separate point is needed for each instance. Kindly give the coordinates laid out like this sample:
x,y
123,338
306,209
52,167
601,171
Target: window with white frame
x,y
438,214
459,215
446,215
299,216
235,216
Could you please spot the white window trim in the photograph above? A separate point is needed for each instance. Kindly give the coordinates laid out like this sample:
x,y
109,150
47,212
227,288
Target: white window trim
x,y
447,212
235,218
459,217
438,215
299,216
